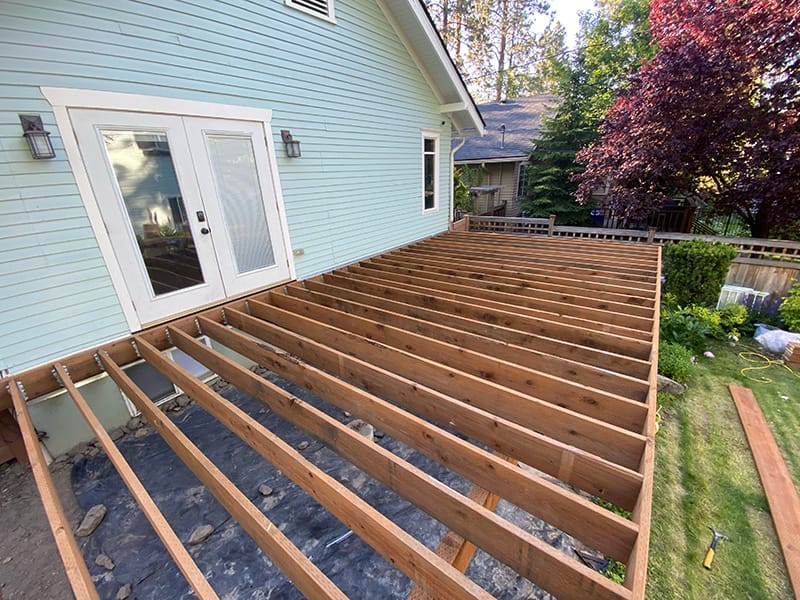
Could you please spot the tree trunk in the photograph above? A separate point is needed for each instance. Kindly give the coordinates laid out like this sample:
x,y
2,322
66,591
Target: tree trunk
x,y
457,36
760,226
501,53
445,31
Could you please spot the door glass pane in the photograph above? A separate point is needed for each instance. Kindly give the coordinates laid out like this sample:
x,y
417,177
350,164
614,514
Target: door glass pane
x,y
146,178
239,192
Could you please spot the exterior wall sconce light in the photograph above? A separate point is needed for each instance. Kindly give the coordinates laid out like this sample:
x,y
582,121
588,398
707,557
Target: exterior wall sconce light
x,y
38,139
292,145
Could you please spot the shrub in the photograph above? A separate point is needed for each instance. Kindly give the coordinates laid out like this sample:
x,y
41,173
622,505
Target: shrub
x,y
790,308
693,325
465,177
686,329
674,361
695,270
734,318
710,319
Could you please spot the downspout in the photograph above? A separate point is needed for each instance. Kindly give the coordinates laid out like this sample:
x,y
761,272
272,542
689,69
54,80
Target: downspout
x,y
452,172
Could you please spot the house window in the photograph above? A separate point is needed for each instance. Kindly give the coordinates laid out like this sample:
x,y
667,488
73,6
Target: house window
x,y
430,175
318,8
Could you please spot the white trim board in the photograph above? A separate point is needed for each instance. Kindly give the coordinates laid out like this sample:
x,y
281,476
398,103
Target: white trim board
x,y
435,135
74,98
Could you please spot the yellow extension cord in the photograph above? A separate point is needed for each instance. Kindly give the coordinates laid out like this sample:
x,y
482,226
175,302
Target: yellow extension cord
x,y
768,362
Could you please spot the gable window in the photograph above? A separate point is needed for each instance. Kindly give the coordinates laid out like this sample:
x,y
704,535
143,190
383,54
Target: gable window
x,y
318,8
430,175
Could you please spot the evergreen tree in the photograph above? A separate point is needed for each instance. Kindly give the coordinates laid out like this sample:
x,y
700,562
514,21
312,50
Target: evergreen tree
x,y
612,45
549,182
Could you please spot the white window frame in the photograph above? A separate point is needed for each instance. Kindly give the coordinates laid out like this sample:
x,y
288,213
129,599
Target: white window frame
x,y
431,134
330,17
63,99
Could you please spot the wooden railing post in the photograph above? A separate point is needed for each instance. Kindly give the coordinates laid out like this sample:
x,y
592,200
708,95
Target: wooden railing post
x,y
551,225
468,223
651,235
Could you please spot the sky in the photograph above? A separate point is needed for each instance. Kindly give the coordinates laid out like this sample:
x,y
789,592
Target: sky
x,y
567,12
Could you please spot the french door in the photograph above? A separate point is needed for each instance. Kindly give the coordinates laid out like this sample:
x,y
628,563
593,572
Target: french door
x,y
188,203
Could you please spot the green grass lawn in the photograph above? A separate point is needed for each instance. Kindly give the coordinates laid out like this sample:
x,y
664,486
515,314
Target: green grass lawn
x,y
705,475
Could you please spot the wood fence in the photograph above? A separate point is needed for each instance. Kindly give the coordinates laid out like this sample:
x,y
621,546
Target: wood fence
x,y
765,265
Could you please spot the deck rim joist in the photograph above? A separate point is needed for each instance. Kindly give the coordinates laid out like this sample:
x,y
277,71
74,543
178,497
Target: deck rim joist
x,y
479,379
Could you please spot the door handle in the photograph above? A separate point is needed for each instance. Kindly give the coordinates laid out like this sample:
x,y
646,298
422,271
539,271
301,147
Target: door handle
x,y
205,231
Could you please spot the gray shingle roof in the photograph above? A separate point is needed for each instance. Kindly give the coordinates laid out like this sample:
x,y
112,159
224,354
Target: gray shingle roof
x,y
521,117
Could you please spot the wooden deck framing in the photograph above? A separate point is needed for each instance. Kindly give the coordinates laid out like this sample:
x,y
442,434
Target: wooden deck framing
x,y
526,365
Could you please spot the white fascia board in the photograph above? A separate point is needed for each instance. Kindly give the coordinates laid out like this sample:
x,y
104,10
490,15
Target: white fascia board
x,y
433,58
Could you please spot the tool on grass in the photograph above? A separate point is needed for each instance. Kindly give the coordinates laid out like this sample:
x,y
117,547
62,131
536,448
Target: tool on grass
x,y
712,549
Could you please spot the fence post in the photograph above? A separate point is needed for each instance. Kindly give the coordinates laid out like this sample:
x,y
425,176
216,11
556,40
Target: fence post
x,y
651,235
466,216
551,225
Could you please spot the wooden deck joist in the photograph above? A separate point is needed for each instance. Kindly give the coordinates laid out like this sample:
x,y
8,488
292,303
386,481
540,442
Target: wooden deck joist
x,y
598,248
502,326
581,331
584,399
599,275
535,382
557,260
598,254
503,281
77,573
615,323
491,340
620,313
178,552
544,277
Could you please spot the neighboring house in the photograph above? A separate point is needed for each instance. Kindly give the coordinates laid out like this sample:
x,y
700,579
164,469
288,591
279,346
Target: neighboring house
x,y
501,154
172,189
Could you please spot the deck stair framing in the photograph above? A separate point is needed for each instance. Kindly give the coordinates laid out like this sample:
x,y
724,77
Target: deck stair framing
x,y
525,365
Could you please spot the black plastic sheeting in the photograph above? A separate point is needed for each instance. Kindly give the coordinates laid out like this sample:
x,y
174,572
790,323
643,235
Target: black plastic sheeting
x,y
234,565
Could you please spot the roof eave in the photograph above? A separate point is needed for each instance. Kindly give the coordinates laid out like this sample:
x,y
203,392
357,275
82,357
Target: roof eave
x,y
494,159
425,46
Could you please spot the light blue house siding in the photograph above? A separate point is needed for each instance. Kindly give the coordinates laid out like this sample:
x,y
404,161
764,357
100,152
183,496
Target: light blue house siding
x,y
348,90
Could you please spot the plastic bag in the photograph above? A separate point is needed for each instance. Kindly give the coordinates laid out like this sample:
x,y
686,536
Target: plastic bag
x,y
774,340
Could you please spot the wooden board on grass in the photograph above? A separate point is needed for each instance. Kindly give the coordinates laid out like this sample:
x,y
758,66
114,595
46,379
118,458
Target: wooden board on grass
x,y
784,502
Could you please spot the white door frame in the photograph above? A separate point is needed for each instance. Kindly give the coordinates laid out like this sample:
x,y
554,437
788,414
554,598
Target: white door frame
x,y
62,99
